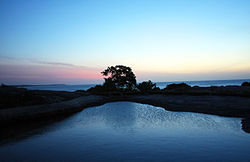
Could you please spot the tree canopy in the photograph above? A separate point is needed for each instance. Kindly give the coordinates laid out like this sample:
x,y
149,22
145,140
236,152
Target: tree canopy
x,y
119,76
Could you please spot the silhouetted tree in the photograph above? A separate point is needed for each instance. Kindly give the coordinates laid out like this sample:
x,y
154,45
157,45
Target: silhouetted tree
x,y
109,85
147,86
119,76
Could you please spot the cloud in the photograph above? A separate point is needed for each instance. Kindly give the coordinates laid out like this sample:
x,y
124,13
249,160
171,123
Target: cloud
x,y
18,60
2,57
36,73
63,64
56,63
14,70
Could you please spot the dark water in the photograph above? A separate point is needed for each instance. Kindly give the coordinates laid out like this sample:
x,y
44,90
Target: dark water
x,y
125,131
71,88
59,87
206,83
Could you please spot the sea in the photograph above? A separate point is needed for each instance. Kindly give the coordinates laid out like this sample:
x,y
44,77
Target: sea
x,y
161,85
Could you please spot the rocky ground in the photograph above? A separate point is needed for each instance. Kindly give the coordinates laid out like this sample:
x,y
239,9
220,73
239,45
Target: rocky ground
x,y
20,104
11,97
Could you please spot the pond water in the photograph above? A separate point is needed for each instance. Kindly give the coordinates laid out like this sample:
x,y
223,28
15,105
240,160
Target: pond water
x,y
126,131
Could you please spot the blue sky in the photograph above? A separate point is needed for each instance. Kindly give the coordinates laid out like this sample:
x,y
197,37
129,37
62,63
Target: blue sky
x,y
160,40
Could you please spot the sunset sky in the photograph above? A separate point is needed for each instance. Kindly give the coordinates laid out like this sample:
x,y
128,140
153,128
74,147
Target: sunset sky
x,y
43,42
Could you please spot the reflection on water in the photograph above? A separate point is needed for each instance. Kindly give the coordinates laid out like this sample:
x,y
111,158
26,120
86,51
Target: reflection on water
x,y
136,117
131,132
19,131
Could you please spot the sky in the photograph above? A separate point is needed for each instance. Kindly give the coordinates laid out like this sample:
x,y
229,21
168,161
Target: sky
x,y
71,42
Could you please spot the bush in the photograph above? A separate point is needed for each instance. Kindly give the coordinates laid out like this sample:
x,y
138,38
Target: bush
x,y
177,86
147,86
245,84
97,88
106,87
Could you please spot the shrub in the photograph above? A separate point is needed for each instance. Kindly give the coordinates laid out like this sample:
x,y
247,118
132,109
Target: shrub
x,y
177,86
97,88
147,86
245,84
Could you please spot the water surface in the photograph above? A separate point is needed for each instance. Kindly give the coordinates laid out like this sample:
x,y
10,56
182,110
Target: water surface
x,y
161,85
126,131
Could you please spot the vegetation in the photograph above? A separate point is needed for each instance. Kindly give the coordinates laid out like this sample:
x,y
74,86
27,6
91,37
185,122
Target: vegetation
x,y
148,86
121,80
245,84
119,77
177,86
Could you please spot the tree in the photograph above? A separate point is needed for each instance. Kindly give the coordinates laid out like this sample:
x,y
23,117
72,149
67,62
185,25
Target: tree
x,y
119,76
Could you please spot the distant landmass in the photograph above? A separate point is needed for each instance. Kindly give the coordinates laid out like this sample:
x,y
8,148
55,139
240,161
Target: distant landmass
x,y
161,85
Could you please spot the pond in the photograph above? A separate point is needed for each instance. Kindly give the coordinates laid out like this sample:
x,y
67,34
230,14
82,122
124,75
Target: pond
x,y
127,131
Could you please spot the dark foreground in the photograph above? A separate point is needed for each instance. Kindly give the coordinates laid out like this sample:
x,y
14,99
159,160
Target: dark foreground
x,y
31,105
